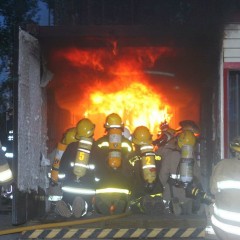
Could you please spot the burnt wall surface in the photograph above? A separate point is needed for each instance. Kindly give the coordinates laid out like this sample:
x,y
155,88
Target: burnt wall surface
x,y
201,47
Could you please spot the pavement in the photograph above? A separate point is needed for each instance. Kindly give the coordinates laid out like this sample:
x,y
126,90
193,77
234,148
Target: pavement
x,y
5,213
132,222
6,219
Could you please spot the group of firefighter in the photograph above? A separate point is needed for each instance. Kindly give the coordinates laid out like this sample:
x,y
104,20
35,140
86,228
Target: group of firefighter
x,y
121,171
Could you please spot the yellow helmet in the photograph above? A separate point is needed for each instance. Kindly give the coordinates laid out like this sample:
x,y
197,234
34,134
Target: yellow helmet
x,y
142,135
85,128
69,136
186,137
235,144
113,121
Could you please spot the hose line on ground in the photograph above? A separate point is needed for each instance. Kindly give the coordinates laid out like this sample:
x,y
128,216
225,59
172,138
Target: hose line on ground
x,y
61,224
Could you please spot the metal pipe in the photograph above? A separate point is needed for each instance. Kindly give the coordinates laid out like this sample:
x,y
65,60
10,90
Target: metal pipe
x,y
61,224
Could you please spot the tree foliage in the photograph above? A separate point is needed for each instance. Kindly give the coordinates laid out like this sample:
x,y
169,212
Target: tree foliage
x,y
14,13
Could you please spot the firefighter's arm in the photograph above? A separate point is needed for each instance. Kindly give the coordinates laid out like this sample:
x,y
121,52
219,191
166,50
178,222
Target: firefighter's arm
x,y
214,179
56,163
218,175
133,160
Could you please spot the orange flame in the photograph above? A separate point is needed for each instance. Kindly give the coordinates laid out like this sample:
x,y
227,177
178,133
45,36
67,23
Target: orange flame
x,y
113,81
137,104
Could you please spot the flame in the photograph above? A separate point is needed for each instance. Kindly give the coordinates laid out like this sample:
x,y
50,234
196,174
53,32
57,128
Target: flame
x,y
137,104
104,81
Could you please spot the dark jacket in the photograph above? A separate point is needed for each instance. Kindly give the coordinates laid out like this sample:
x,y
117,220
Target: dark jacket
x,y
109,177
67,168
139,186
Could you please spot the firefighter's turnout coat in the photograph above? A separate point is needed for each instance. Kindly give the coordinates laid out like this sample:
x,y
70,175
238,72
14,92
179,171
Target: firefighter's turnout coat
x,y
112,185
171,156
85,187
225,185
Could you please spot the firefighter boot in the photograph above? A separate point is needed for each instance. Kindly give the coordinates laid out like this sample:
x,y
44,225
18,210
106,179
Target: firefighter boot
x,y
187,207
63,209
176,206
79,207
158,206
152,205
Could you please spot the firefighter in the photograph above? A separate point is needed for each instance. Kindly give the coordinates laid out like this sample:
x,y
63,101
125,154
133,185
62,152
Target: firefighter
x,y
192,126
146,189
68,137
224,185
178,171
54,190
78,183
189,125
6,175
166,140
112,170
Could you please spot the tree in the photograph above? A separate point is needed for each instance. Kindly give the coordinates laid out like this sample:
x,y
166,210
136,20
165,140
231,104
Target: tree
x,y
13,14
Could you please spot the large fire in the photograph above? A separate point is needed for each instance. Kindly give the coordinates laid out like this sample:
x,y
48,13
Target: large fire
x,y
136,103
105,81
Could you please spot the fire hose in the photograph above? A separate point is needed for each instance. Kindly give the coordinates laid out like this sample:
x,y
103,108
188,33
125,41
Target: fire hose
x,y
61,224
